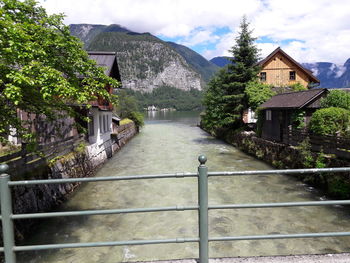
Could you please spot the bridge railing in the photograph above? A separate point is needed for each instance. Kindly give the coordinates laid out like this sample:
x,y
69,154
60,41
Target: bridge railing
x,y
7,217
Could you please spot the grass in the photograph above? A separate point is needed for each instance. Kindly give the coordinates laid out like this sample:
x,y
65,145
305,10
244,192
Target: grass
x,y
125,121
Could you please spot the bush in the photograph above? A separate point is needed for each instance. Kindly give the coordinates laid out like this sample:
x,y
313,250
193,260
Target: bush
x,y
330,121
137,117
337,98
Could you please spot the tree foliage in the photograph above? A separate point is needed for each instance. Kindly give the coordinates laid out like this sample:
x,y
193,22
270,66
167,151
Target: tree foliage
x,y
258,93
43,69
330,121
233,82
214,103
128,108
337,98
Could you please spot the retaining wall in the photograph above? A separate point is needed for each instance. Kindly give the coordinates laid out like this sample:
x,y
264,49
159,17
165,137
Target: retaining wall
x,y
80,163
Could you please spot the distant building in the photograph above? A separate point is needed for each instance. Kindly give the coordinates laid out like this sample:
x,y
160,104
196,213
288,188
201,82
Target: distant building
x,y
280,70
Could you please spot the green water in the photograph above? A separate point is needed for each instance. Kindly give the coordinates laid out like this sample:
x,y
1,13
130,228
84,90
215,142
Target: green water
x,y
171,142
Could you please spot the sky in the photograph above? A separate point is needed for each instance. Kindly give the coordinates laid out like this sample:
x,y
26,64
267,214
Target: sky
x,y
308,30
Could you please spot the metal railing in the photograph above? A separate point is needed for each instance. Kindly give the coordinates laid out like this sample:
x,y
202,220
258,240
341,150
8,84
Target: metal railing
x,y
7,216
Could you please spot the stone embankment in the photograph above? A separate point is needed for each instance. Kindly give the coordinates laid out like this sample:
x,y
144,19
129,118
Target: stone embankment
x,y
82,162
282,156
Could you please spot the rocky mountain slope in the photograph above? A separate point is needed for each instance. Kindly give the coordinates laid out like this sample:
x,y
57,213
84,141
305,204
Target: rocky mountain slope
x,y
145,62
206,68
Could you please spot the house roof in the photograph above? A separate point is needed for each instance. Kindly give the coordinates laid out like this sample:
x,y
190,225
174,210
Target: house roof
x,y
279,50
293,100
107,60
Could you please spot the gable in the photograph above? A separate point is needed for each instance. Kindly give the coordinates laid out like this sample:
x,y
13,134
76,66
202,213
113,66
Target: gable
x,y
108,61
279,64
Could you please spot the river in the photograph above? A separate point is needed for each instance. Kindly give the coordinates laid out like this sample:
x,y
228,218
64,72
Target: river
x,y
171,142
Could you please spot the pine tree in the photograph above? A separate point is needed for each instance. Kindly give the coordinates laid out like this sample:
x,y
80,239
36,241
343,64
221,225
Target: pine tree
x,y
243,69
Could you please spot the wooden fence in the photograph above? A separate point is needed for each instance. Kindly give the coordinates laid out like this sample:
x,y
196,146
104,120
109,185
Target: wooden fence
x,y
329,144
26,161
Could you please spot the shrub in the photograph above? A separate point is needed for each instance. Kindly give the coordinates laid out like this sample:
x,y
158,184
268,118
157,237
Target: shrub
x,y
337,98
137,117
297,87
305,153
330,121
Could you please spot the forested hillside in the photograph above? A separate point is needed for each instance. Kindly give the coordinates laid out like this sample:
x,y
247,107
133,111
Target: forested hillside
x,y
169,97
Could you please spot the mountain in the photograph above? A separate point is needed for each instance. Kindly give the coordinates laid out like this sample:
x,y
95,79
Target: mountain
x,y
206,68
145,62
87,32
221,61
330,74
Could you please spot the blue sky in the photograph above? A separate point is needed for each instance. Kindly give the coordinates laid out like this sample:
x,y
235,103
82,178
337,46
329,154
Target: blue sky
x,y
308,30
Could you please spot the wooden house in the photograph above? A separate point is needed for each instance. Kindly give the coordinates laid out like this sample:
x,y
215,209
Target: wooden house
x,y
280,70
279,110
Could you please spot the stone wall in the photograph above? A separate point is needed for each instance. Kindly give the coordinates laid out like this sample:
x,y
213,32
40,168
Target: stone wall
x,y
82,162
281,156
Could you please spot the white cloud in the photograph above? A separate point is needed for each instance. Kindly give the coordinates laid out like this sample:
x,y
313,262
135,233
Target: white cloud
x,y
315,30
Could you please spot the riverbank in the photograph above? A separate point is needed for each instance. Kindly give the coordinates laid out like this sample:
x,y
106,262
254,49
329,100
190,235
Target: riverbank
x,y
282,156
83,161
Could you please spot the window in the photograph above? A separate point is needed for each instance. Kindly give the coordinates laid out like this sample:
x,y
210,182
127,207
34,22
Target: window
x,y
104,123
91,126
100,123
262,76
108,123
291,75
268,115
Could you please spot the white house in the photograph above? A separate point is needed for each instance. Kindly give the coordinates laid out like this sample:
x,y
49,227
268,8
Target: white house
x,y
100,114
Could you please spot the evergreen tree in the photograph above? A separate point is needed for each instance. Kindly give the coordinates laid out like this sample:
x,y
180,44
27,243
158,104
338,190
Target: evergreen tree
x,y
243,70
234,80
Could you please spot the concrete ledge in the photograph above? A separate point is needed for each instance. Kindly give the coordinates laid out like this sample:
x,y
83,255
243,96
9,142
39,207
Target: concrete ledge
x,y
327,258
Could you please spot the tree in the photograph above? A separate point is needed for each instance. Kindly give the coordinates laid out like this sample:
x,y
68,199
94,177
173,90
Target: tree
x,y
234,80
43,69
213,101
258,93
243,70
127,108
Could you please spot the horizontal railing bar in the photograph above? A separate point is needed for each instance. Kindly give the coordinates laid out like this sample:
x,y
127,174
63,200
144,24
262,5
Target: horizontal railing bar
x,y
288,204
286,171
175,208
281,236
1,249
100,179
104,212
105,244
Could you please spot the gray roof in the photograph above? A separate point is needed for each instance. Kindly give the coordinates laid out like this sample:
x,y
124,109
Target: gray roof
x,y
293,100
104,59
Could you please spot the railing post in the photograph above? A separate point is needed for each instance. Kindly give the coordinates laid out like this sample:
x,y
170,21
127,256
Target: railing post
x,y
6,213
203,210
